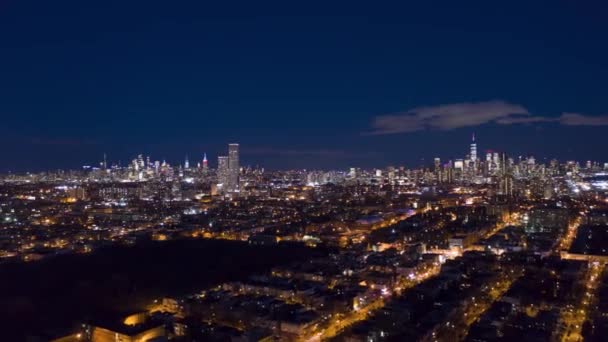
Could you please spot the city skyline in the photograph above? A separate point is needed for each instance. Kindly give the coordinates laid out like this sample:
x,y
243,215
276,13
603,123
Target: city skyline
x,y
358,87
426,162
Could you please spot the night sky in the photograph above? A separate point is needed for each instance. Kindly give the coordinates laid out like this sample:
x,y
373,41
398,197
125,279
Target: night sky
x,y
300,84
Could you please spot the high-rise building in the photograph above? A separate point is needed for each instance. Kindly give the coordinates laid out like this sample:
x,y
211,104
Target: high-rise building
x,y
437,164
505,181
234,168
473,149
222,172
391,174
140,162
205,163
186,163
488,164
437,169
449,174
459,164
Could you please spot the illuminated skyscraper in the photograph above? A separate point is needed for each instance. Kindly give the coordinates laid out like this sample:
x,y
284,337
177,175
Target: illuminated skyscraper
x,y
233,167
222,172
505,182
205,163
437,164
473,149
140,162
459,164
186,163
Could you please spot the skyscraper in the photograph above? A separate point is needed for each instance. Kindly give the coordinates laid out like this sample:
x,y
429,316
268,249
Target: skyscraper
x,y
186,163
233,167
205,163
222,172
473,149
140,162
505,181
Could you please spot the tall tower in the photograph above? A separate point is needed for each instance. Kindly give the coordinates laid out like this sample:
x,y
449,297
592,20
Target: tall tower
x,y
205,163
473,149
140,162
233,167
104,163
223,172
186,163
505,182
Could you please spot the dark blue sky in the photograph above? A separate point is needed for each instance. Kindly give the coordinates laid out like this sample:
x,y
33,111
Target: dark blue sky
x,y
300,84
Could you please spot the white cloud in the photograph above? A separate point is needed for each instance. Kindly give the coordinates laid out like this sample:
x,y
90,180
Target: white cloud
x,y
468,114
576,119
512,120
446,117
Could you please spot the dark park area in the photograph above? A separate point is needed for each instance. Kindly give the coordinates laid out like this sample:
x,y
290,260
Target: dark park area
x,y
60,292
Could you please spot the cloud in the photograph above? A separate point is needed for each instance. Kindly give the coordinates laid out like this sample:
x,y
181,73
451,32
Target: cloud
x,y
446,117
576,119
566,119
512,120
468,114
